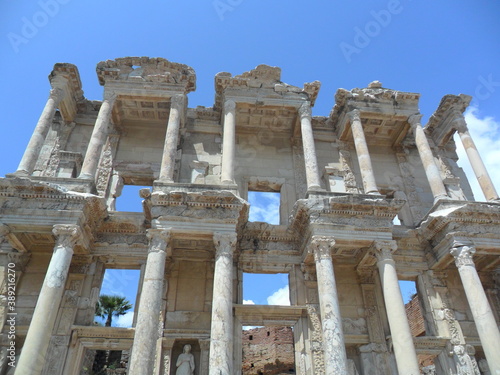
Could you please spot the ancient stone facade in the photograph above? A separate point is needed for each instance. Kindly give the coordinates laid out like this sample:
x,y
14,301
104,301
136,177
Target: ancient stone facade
x,y
268,350
342,180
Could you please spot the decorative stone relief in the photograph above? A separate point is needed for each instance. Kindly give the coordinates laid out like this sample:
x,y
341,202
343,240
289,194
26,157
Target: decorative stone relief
x,y
316,340
298,167
106,164
350,182
407,172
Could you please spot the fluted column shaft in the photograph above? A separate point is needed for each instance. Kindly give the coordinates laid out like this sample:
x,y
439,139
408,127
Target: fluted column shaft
x,y
311,162
177,105
424,149
30,157
331,321
221,334
475,160
484,319
97,139
402,339
229,142
35,347
148,327
364,160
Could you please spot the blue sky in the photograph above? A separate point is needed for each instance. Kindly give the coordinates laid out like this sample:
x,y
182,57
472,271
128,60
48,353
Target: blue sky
x,y
431,47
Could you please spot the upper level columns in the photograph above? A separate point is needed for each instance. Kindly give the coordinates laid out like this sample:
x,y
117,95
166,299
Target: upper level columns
x,y
486,325
28,161
311,163
402,339
476,162
431,170
333,338
221,335
228,142
33,353
365,163
177,105
99,134
148,318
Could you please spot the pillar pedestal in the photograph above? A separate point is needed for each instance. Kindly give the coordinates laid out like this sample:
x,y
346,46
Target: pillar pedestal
x,y
484,319
177,105
311,163
364,160
331,321
221,334
98,138
402,339
149,319
431,170
33,353
229,142
30,157
475,160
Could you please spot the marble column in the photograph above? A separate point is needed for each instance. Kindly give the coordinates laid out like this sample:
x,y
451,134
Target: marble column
x,y
30,157
98,138
229,142
424,149
402,339
311,162
148,327
331,321
221,334
475,160
177,105
364,160
484,319
35,347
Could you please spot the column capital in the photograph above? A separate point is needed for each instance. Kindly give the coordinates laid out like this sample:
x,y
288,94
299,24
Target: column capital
x,y
159,239
57,94
415,120
67,235
383,249
321,247
458,121
354,115
110,96
225,243
463,254
229,105
4,230
177,101
305,110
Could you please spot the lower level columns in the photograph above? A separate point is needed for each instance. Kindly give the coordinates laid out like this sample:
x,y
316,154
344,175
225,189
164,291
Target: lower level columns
x,y
484,319
331,321
402,339
365,162
147,330
431,170
221,334
33,353
311,163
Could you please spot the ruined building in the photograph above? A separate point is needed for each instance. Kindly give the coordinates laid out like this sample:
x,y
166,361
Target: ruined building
x,y
342,180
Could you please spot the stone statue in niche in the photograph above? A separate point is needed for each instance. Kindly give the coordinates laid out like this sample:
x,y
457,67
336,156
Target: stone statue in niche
x,y
185,362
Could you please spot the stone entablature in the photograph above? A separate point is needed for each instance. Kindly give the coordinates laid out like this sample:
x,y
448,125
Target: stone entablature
x,y
342,180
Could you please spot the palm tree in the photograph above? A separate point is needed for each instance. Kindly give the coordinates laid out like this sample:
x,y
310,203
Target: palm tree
x,y
109,306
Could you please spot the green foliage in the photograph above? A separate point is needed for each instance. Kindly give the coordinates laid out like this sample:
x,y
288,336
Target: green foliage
x,y
109,306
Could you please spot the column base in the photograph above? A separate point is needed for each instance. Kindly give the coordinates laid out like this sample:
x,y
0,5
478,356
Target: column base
x,y
85,176
19,173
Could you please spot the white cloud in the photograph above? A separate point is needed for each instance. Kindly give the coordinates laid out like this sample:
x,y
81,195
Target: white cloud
x,y
280,297
264,207
486,135
248,302
124,321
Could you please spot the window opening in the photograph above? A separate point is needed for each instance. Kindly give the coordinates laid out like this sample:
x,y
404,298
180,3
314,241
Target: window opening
x,y
264,207
266,289
129,200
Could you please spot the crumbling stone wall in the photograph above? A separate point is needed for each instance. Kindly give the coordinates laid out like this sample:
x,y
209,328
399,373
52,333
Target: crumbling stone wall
x,y
268,350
